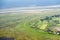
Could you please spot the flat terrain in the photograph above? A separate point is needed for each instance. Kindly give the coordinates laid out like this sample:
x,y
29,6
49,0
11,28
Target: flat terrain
x,y
19,25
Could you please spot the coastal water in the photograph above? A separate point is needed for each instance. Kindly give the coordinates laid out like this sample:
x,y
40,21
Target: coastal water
x,y
24,3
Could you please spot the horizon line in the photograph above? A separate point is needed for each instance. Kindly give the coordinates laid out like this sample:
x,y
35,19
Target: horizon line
x,y
31,7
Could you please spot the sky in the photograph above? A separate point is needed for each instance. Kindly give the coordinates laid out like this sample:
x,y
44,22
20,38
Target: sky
x,y
25,3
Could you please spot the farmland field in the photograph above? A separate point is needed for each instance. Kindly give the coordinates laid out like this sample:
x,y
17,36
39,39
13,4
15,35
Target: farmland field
x,y
27,25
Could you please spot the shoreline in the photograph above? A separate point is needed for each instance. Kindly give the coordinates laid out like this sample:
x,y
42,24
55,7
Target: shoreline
x,y
25,9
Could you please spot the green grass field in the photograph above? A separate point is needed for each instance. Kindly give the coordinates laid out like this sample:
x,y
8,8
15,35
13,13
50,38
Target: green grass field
x,y
26,26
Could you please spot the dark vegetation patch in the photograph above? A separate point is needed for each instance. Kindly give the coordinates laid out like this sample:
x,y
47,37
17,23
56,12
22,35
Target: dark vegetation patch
x,y
6,38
